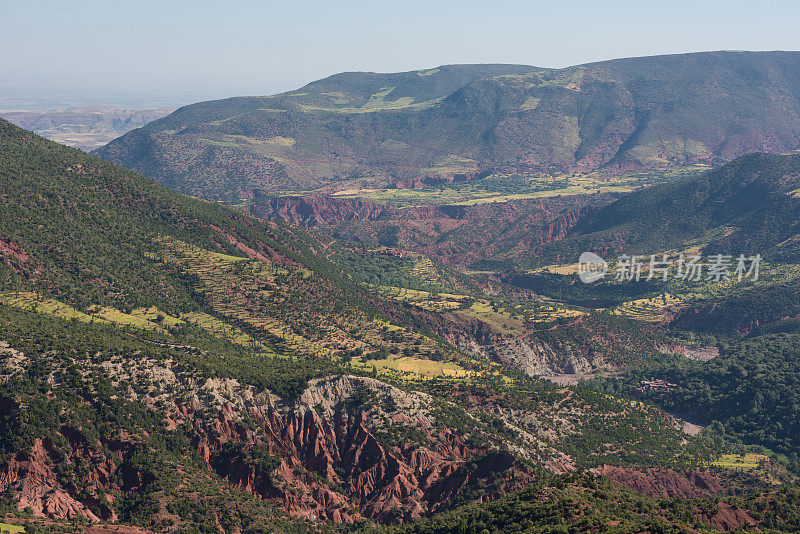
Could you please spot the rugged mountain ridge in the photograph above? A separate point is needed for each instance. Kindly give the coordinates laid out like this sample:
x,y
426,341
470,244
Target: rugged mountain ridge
x,y
346,448
614,115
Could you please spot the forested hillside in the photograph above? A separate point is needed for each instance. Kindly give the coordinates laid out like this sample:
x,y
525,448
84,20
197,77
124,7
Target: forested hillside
x,y
167,362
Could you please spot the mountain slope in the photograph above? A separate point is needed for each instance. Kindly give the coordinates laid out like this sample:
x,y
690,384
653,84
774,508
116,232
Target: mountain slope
x,y
745,207
172,363
749,206
214,165
615,115
458,235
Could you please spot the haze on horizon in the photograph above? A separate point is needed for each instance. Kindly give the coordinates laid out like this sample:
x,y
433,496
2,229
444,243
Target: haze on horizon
x,y
168,53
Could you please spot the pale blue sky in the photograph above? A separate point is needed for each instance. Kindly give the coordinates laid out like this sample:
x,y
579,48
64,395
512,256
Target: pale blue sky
x,y
190,50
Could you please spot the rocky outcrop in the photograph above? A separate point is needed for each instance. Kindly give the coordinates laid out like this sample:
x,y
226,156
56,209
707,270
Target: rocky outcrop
x,y
18,259
668,483
336,461
729,517
347,448
538,358
12,362
38,488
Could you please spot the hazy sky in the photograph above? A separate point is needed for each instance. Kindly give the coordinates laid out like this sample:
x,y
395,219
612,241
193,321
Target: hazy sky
x,y
172,50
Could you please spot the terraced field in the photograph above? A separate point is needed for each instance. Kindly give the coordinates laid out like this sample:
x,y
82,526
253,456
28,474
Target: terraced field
x,y
113,315
34,302
410,368
436,302
243,290
651,310
562,269
426,270
141,318
550,312
507,187
154,315
288,311
503,320
249,293
222,330
422,197
743,462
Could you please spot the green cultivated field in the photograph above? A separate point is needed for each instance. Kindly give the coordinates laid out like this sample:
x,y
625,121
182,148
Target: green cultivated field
x,y
508,187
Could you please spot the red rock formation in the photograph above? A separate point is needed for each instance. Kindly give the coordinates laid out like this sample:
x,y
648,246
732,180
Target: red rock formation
x,y
251,252
501,229
730,517
336,469
9,248
40,489
18,259
657,482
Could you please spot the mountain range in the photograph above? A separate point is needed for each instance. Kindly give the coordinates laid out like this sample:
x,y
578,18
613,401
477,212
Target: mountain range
x,y
84,127
388,333
378,129
169,362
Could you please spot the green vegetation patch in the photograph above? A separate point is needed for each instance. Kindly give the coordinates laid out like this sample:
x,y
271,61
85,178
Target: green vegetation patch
x,y
32,301
744,462
221,329
415,368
